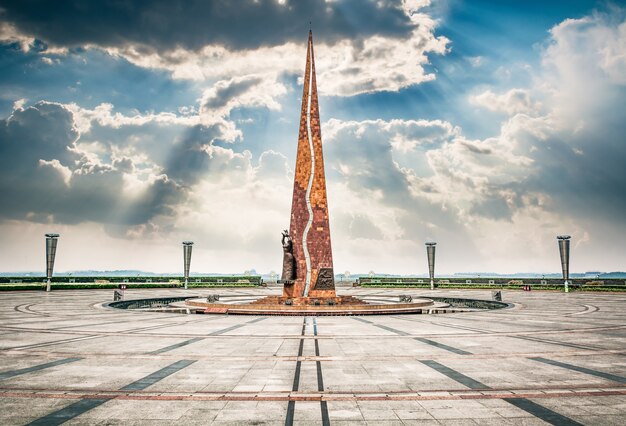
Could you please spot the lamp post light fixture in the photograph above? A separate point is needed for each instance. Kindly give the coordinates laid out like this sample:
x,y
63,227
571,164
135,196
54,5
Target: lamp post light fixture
x,y
430,251
51,251
187,246
564,251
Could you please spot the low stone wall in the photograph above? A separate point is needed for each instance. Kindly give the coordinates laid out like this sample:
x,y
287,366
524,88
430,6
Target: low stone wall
x,y
471,303
159,302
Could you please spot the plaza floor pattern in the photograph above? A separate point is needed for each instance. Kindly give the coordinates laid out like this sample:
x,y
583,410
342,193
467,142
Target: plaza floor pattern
x,y
552,358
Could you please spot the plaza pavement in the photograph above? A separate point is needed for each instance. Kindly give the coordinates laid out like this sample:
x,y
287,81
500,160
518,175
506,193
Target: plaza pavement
x,y
552,358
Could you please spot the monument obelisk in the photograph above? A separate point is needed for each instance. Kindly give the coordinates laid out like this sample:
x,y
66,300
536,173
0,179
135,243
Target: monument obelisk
x,y
309,229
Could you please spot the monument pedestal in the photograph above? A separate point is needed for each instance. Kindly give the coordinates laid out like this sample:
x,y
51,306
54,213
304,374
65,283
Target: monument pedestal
x,y
295,289
342,305
310,301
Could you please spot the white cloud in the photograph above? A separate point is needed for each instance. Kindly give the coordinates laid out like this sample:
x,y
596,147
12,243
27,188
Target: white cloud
x,y
19,104
404,135
64,172
476,61
10,34
50,61
583,66
249,91
515,101
589,42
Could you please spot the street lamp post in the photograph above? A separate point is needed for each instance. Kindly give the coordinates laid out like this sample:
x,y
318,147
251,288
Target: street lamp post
x,y
187,246
430,251
564,251
51,251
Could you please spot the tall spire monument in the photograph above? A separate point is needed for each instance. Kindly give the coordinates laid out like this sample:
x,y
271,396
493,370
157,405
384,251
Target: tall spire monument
x,y
309,231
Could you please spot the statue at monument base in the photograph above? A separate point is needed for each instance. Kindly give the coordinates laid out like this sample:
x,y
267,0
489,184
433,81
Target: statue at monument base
x,y
289,262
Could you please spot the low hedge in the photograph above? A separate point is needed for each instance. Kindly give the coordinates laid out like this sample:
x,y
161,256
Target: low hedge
x,y
84,286
495,281
15,280
537,287
200,285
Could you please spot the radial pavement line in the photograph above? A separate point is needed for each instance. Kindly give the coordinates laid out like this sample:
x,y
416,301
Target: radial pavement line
x,y
157,376
76,409
68,413
384,327
441,324
291,405
13,373
54,342
152,327
65,327
527,405
175,346
236,326
542,412
420,339
552,342
596,373
454,375
442,346
320,378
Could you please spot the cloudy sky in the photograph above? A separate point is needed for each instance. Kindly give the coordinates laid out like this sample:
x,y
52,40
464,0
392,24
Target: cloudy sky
x,y
487,126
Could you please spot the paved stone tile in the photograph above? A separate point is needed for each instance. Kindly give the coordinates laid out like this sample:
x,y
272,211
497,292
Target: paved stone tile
x,y
601,420
494,421
240,412
420,422
371,370
22,411
138,410
307,412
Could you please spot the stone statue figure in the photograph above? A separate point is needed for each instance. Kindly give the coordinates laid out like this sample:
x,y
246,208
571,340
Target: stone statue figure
x,y
289,264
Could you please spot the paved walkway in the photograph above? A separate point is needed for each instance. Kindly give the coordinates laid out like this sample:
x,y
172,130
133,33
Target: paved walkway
x,y
552,359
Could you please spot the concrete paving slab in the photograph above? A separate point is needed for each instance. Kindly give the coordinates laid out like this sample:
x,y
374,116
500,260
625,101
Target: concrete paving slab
x,y
369,370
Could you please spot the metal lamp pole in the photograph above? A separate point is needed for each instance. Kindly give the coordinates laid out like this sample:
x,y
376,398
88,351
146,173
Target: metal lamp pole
x,y
187,246
564,251
430,251
51,251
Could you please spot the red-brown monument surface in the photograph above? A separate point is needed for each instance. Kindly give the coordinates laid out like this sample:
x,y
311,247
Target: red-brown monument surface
x,y
309,229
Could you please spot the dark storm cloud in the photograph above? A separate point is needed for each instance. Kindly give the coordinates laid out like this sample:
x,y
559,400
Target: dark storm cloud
x,y
363,154
166,24
42,132
191,157
362,227
226,91
43,174
371,164
472,147
590,182
492,207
